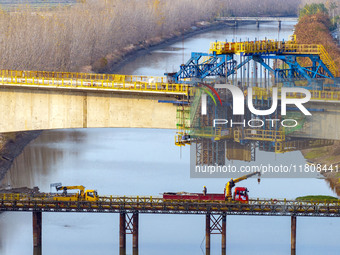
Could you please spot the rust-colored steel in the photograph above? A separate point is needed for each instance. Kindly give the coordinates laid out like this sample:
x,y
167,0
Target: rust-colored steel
x,y
224,234
207,234
37,229
293,235
122,234
135,234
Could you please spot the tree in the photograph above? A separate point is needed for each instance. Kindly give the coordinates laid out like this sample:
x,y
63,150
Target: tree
x,y
310,9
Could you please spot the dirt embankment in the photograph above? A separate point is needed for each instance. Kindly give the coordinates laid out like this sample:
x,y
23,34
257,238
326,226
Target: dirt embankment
x,y
11,145
329,158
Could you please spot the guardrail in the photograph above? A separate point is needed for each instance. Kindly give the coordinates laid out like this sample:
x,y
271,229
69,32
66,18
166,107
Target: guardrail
x,y
149,204
127,83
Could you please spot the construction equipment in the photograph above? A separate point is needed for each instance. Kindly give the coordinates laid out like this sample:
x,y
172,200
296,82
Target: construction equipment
x,y
240,193
82,195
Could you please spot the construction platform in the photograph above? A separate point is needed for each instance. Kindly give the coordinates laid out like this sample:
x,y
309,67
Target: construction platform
x,y
91,82
149,204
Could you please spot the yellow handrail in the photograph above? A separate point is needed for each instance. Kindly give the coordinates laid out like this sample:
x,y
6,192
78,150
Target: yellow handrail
x,y
270,46
94,81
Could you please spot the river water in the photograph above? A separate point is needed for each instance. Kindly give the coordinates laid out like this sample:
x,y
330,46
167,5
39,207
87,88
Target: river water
x,y
118,161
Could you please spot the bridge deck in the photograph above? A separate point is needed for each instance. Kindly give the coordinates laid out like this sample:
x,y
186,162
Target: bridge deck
x,y
116,204
99,82
293,19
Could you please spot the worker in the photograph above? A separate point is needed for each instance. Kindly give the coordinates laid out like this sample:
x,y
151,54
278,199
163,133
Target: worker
x,y
65,191
204,191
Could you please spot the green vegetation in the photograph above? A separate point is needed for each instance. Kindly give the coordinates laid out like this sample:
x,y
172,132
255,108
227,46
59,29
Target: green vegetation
x,y
318,198
310,9
316,153
331,8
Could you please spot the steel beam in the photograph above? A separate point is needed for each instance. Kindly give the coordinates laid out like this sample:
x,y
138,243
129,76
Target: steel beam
x,y
293,235
224,234
122,234
37,229
207,234
135,233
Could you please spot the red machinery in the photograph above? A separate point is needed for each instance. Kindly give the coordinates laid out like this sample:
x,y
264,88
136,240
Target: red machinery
x,y
240,193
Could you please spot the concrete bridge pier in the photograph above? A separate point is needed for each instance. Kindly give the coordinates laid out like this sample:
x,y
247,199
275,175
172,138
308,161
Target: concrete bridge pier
x,y
128,224
37,233
293,235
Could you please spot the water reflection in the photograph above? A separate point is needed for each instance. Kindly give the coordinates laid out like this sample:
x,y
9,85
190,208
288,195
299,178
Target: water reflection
x,y
218,136
36,163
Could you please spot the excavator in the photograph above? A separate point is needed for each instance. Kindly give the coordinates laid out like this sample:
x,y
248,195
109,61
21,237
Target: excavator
x,y
240,193
82,195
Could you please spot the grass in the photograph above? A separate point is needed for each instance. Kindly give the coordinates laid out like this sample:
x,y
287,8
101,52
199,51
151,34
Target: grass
x,y
316,153
318,198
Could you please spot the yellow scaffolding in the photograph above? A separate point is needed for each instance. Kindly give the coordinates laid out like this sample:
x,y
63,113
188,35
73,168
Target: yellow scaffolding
x,y
271,46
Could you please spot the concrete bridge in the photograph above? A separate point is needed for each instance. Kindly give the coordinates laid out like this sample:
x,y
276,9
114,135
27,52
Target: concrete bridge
x,y
50,100
259,19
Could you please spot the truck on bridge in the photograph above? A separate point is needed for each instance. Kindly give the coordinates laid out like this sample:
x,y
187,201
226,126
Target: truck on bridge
x,y
240,193
81,195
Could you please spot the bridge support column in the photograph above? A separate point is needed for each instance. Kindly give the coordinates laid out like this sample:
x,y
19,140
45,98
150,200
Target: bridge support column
x,y
207,234
128,224
215,224
37,232
135,234
122,234
293,235
224,234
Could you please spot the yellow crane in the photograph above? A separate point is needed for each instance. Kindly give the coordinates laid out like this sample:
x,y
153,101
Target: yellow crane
x,y
230,184
82,195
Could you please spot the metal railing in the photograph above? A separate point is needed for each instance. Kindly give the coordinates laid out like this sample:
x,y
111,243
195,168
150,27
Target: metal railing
x,y
322,95
149,204
131,83
271,46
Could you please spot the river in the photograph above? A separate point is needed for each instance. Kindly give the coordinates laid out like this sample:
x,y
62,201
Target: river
x,y
118,161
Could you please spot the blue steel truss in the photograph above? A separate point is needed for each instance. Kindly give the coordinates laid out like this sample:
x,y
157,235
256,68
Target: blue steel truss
x,y
202,65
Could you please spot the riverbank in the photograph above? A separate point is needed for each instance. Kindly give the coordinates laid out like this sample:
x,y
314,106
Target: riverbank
x,y
315,29
11,145
112,62
329,158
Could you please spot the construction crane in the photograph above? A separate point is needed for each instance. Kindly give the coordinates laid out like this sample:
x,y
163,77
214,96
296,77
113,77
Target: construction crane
x,y
82,195
240,192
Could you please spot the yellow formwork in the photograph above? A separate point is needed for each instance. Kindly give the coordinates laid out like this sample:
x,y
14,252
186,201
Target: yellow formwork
x,y
133,83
